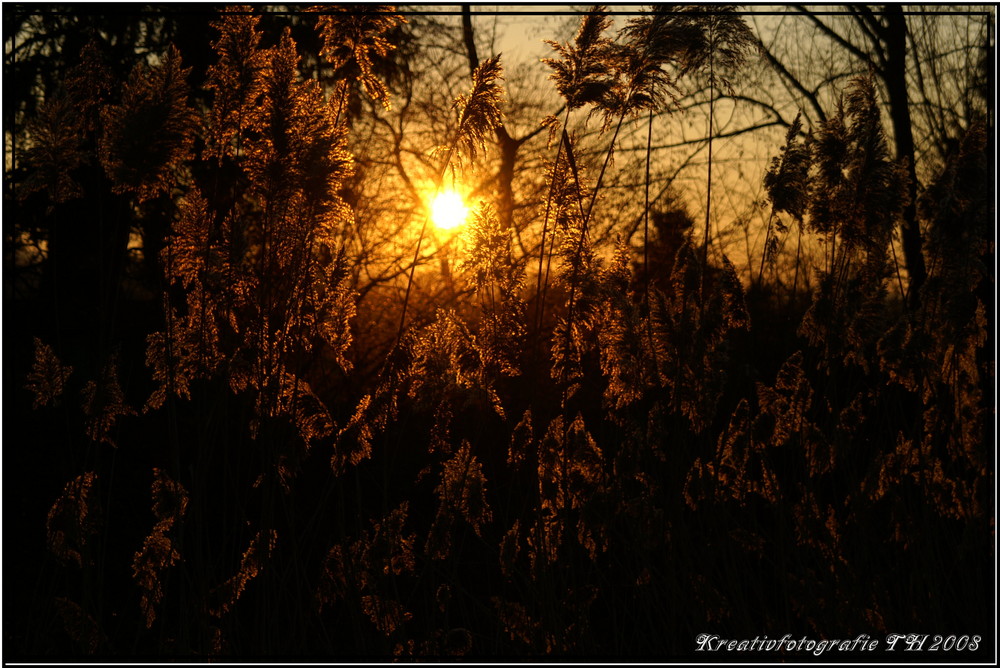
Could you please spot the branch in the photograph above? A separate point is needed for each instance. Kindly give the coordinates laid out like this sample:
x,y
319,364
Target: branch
x,y
809,95
869,25
765,105
397,161
690,142
832,34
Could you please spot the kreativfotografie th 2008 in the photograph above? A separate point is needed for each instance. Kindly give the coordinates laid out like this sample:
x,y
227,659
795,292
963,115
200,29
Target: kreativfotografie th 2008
x,y
908,642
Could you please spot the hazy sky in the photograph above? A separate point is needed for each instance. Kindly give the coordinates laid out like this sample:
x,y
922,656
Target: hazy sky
x,y
521,29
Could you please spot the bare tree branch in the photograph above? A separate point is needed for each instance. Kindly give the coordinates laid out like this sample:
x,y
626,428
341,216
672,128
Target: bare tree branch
x,y
839,39
796,84
872,28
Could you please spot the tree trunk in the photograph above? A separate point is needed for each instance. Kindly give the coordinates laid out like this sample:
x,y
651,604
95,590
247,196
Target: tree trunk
x,y
902,129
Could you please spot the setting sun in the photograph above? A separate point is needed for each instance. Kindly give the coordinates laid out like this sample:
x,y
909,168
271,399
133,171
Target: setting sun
x,y
448,211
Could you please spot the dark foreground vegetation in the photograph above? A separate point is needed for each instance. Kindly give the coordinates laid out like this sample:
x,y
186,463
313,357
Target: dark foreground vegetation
x,y
224,438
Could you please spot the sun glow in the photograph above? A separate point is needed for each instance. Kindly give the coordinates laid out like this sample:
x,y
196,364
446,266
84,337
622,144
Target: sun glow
x,y
448,211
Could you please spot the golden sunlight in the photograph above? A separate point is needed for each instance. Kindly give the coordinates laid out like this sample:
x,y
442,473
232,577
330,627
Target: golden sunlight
x,y
448,211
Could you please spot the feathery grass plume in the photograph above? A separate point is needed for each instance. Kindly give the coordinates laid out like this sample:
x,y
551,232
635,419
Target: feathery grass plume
x,y
510,548
563,212
857,189
716,37
158,553
461,493
694,319
818,529
623,346
439,438
80,626
335,579
676,318
959,213
225,596
945,483
939,354
354,39
48,376
845,320
479,112
380,555
654,40
57,150
784,418
374,413
388,550
91,85
518,623
296,162
328,300
586,487
545,538
568,186
307,411
236,79
571,489
447,366
271,158
521,441
876,179
739,468
829,150
957,207
297,153
196,259
170,499
73,520
498,281
286,397
787,179
186,351
64,126
384,552
724,48
857,197
150,133
580,274
385,613
192,250
961,245
354,440
104,403
788,402
584,71
264,278
787,186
